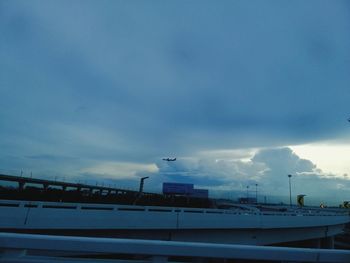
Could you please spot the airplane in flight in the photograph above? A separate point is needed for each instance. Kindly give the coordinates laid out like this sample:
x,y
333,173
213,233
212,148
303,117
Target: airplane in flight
x,y
169,159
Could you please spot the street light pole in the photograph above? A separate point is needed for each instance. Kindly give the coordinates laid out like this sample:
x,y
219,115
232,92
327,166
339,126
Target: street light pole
x,y
290,190
256,193
142,183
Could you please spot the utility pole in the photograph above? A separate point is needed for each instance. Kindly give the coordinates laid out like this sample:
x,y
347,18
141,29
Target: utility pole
x,y
290,190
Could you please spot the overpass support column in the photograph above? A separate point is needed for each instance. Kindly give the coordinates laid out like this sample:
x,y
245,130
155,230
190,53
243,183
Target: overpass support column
x,y
328,242
315,243
21,185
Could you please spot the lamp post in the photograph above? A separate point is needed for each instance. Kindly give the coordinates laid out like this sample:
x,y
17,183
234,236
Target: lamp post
x,y
142,183
256,193
290,190
247,192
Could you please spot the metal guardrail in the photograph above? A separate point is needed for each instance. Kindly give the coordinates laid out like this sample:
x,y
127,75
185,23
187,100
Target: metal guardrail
x,y
13,248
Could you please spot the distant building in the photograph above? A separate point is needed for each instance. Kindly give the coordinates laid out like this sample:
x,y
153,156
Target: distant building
x,y
200,193
247,200
184,189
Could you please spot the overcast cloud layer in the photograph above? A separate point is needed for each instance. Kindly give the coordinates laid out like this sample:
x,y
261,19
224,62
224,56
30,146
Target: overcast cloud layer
x,y
91,89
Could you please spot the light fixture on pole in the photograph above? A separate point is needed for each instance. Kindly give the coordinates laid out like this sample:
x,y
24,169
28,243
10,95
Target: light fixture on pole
x,y
290,190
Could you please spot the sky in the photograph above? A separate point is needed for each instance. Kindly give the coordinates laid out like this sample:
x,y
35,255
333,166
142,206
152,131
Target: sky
x,y
243,93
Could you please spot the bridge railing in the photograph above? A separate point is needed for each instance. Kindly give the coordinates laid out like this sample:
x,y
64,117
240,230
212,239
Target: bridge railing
x,y
20,247
78,206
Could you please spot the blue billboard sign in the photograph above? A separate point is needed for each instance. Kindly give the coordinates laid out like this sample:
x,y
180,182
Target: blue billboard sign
x,y
177,188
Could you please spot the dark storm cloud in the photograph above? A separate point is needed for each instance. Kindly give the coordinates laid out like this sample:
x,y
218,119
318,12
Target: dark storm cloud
x,y
82,83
